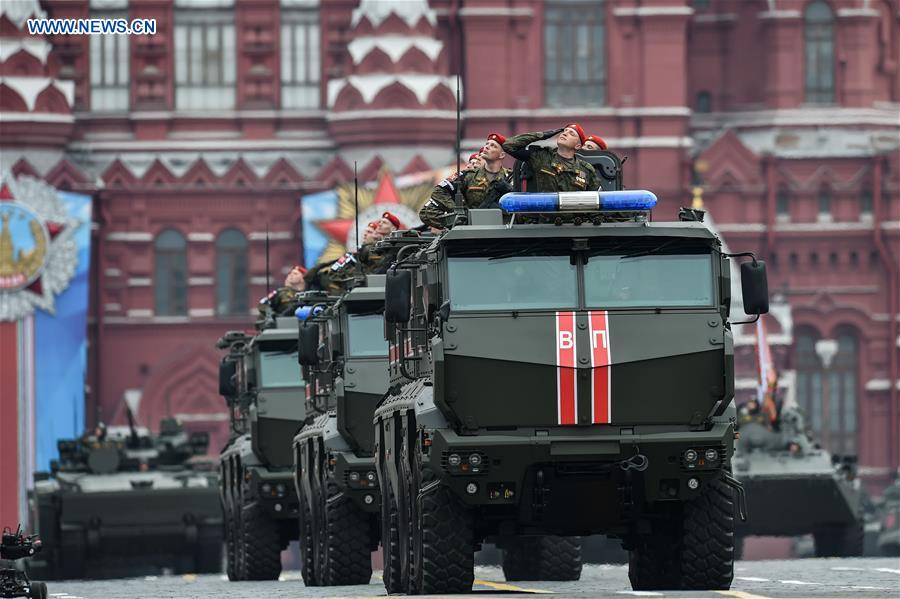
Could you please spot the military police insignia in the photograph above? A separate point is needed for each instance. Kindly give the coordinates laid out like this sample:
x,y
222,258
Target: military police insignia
x,y
38,254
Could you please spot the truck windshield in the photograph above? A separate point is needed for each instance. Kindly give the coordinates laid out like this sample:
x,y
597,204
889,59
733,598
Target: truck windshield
x,y
658,280
533,282
279,369
367,335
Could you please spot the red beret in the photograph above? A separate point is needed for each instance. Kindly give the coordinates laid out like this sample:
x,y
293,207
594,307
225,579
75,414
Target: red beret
x,y
394,220
597,140
500,139
373,224
302,269
475,155
581,134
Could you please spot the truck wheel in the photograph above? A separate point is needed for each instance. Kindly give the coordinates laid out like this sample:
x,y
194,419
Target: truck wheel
x,y
390,542
38,590
697,554
261,544
348,559
543,558
444,539
307,549
231,562
840,541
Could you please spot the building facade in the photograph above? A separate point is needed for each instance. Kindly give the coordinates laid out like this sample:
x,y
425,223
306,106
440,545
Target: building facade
x,y
197,143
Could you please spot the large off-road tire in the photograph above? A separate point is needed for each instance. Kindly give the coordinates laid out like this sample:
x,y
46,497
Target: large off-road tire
x,y
390,544
230,545
840,541
307,549
444,540
543,558
347,559
261,544
696,553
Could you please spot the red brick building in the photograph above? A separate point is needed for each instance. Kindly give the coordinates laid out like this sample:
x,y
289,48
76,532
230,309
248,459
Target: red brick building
x,y
195,141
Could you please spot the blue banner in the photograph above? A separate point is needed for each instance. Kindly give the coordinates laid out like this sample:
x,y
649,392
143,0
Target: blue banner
x,y
60,346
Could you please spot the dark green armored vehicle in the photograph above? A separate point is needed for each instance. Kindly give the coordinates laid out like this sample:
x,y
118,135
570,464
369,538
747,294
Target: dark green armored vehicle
x,y
560,370
888,542
344,358
262,384
794,488
124,502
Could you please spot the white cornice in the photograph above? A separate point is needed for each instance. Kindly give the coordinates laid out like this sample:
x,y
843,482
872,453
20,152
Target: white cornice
x,y
653,11
395,46
139,236
495,11
584,111
203,145
808,115
779,14
391,113
857,12
715,18
273,235
35,117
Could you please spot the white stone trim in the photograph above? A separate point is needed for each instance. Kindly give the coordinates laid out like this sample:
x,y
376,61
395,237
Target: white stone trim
x,y
712,18
38,48
395,46
108,4
796,117
584,112
258,281
204,4
495,11
201,312
139,313
198,281
196,236
823,225
141,236
300,3
653,11
857,12
376,11
19,12
30,87
837,289
368,86
650,141
273,235
741,227
112,272
779,14
35,117
891,225
139,281
112,307
206,417
878,385
237,145
167,115
390,113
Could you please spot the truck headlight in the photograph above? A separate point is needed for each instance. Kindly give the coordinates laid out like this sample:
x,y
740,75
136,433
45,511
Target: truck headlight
x,y
690,456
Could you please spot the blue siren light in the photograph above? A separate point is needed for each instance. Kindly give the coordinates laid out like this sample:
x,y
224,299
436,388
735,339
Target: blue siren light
x,y
305,312
579,201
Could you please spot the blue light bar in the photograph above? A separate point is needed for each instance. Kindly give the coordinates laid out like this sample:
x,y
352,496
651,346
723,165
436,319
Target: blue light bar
x,y
579,201
305,312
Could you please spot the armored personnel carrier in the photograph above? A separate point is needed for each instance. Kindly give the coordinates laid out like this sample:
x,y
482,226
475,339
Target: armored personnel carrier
x,y
262,384
888,541
566,372
794,487
124,502
344,358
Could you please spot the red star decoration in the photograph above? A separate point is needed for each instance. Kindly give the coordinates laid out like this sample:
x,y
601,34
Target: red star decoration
x,y
5,194
339,228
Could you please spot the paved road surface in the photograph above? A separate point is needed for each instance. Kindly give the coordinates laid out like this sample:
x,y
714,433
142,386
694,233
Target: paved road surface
x,y
863,578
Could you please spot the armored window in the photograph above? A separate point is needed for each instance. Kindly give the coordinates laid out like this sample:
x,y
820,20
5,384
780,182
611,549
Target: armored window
x,y
170,274
300,59
366,335
819,50
278,366
534,282
231,273
703,102
204,60
574,53
676,280
109,69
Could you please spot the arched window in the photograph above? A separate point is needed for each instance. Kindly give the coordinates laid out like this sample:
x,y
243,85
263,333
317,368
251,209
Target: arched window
x,y
782,204
827,388
231,273
865,202
824,203
819,49
703,102
170,273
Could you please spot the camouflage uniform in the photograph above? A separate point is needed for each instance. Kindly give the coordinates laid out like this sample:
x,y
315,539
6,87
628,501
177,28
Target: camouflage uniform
x,y
473,185
283,301
552,172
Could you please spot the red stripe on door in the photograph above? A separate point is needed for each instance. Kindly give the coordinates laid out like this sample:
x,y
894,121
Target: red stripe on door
x,y
566,385
601,384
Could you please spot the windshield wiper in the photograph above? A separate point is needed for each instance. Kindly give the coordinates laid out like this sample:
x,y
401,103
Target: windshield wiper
x,y
647,252
513,253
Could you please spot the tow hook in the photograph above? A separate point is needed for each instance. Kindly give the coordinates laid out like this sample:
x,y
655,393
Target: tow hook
x,y
637,462
739,489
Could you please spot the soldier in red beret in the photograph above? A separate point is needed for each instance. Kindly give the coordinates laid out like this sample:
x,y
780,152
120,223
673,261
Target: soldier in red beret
x,y
555,169
594,142
388,224
473,184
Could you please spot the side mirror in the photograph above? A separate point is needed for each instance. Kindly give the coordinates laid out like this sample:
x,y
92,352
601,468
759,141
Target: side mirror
x,y
397,296
227,370
308,344
755,287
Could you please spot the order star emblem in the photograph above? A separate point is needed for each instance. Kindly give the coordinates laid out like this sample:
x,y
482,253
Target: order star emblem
x,y
38,254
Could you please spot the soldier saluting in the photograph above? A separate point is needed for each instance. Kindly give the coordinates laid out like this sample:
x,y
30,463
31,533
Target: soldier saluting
x,y
473,184
283,300
559,169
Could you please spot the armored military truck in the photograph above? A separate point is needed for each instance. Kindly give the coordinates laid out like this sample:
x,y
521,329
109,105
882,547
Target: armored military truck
x,y
344,358
262,384
563,369
794,487
888,541
127,502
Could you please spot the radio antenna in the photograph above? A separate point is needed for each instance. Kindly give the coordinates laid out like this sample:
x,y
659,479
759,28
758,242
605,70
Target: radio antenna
x,y
268,273
457,197
356,205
